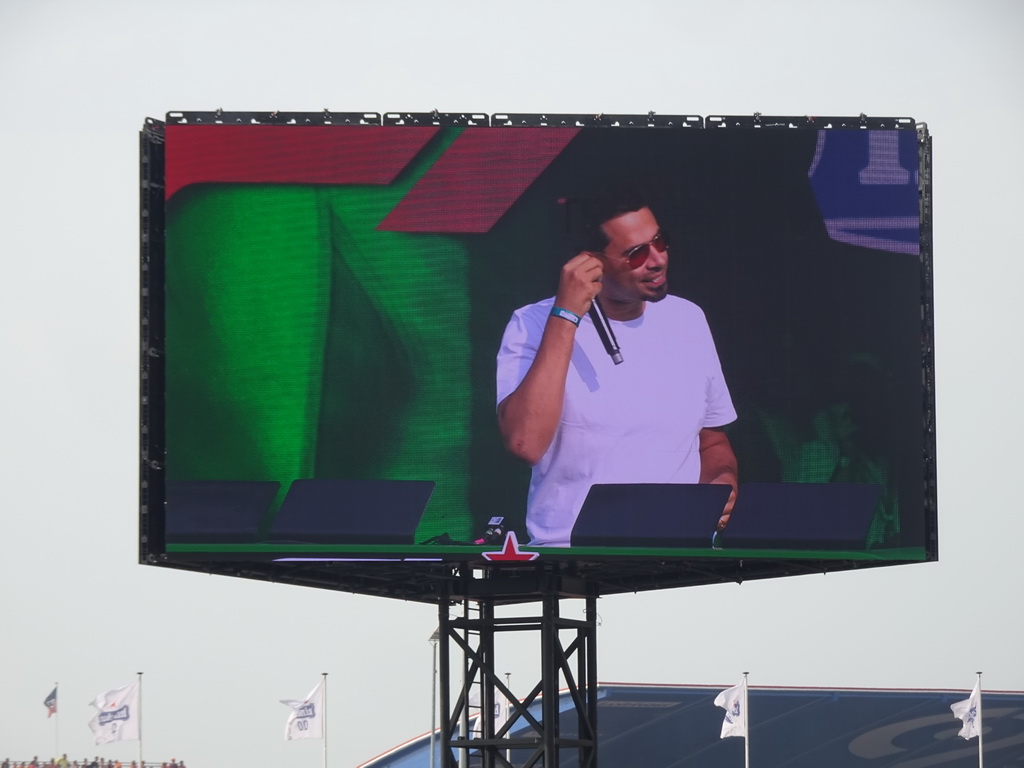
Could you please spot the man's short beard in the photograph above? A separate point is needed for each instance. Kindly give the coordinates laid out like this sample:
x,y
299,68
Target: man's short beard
x,y
662,293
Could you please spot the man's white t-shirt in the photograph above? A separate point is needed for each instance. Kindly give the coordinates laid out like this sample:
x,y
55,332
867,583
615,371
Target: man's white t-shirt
x,y
637,422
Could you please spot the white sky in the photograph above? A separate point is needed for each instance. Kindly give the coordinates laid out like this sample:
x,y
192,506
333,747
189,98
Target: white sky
x,y
76,81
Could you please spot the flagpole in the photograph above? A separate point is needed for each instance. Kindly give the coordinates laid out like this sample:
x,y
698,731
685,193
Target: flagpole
x,y
325,718
981,727
746,724
434,638
56,723
141,763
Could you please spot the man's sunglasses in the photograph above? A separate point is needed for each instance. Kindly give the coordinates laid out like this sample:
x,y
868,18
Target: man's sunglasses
x,y
636,257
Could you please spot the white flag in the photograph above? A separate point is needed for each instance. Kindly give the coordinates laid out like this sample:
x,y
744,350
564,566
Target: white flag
x,y
502,712
307,718
969,710
117,715
734,702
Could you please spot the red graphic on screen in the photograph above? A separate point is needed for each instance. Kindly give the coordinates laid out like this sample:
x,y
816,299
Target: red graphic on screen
x,y
481,175
283,154
477,179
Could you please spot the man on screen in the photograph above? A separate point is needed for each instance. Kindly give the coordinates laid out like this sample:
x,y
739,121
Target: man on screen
x,y
576,417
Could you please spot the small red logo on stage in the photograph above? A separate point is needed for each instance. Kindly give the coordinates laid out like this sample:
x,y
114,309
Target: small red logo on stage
x,y
510,552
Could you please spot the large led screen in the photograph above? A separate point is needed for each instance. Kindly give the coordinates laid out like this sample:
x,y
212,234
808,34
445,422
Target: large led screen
x,y
364,357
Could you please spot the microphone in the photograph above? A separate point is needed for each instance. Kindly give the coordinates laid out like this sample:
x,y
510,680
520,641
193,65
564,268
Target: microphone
x,y
604,330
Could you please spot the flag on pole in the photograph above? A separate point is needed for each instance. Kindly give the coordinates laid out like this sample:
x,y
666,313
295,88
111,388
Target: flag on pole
x,y
307,718
502,712
117,714
734,702
969,710
50,702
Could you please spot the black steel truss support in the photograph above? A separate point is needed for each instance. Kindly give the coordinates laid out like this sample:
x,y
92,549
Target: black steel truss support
x,y
568,660
924,149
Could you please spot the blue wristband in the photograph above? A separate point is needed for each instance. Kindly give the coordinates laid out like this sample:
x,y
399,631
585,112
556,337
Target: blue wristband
x,y
565,314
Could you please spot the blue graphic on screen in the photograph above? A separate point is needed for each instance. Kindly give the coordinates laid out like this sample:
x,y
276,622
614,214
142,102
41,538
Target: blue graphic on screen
x,y
866,186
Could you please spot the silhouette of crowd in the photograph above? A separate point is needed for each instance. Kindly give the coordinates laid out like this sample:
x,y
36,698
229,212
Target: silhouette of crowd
x,y
95,762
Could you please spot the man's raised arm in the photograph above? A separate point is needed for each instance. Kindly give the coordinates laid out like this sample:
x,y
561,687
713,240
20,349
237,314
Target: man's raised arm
x,y
529,416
